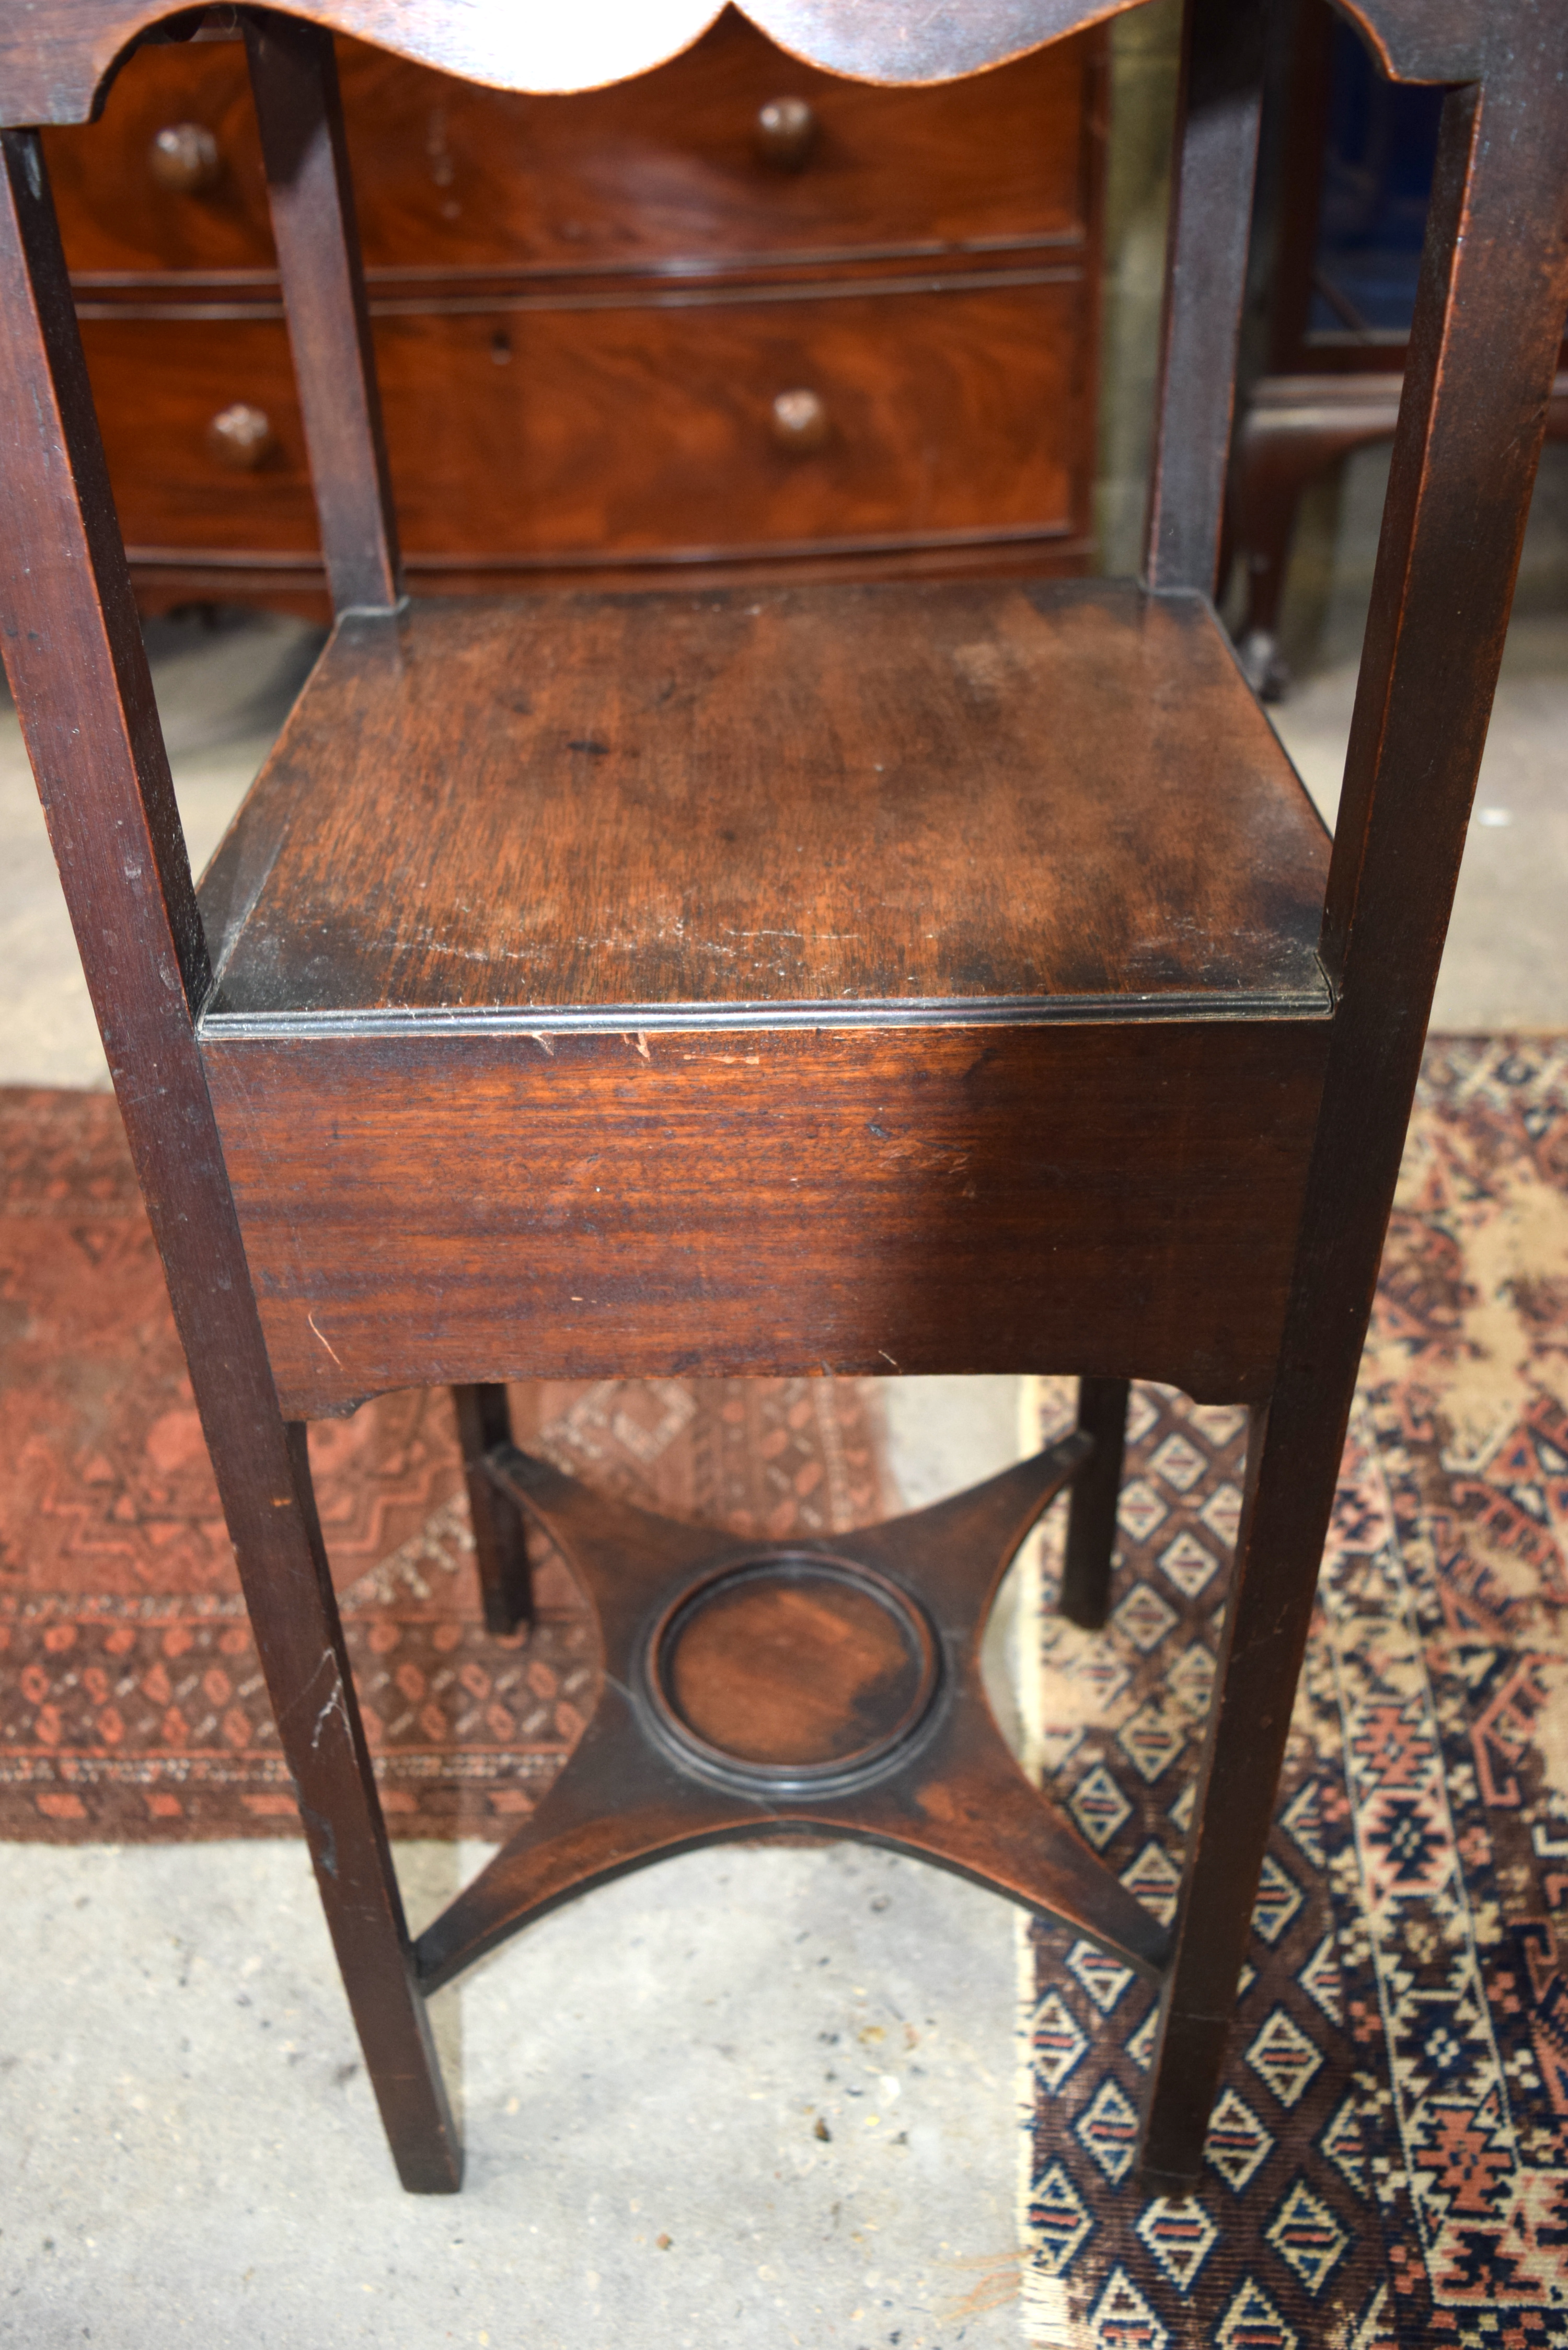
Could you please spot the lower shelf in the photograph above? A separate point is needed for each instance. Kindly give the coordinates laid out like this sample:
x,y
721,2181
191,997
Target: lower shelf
x,y
758,1689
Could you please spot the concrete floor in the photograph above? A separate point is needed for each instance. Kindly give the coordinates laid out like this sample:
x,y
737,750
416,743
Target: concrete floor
x,y
189,2145
1506,964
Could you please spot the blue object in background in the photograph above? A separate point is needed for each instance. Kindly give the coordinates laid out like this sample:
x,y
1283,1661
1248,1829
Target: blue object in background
x,y
1378,159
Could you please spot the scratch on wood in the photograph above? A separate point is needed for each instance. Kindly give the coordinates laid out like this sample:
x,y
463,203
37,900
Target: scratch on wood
x,y
336,1702
324,1338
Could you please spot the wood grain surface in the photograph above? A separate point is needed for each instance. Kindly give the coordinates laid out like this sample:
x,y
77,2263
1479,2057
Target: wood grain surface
x,y
949,1792
1098,1196
56,65
630,429
1013,793
294,75
1483,352
585,308
1208,238
76,662
794,1666
649,175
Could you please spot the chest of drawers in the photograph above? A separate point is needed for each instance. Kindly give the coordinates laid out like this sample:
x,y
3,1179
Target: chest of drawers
x,y
736,315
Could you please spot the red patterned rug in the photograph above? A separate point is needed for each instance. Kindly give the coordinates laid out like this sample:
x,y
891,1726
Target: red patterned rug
x,y
1388,2161
132,1705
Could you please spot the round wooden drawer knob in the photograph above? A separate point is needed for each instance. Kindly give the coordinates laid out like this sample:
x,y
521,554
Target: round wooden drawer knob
x,y
184,157
799,422
239,436
785,132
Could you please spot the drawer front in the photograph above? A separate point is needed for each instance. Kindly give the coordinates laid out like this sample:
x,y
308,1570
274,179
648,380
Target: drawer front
x,y
633,430
664,168
754,1202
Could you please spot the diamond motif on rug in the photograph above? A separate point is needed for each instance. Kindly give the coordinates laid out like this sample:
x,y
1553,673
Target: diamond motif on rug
x,y
1057,2041
1143,1415
1320,1979
1108,2129
1100,1975
1307,2237
1153,1737
1060,2219
1252,2323
1099,1807
1178,1462
1123,2320
1143,1617
1190,1680
1188,1563
1283,2056
1302,1820
1237,2141
1088,1668
1341,2143
1180,2235
1279,1898
1155,1879
1140,1509
1221,1513
1140,2047
1218,1423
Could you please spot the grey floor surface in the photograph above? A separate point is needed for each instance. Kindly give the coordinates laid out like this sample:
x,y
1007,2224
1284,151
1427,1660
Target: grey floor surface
x,y
750,2097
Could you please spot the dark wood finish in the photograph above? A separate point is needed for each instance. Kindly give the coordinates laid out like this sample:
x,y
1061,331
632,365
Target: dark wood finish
x,y
914,1200
75,661
1483,350
790,1666
1206,268
939,1782
912,1009
553,828
1085,1595
56,68
294,77
168,579
499,1540
473,805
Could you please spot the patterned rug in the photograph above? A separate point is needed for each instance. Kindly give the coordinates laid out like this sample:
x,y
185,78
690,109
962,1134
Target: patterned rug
x,y
132,1706
1388,2161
